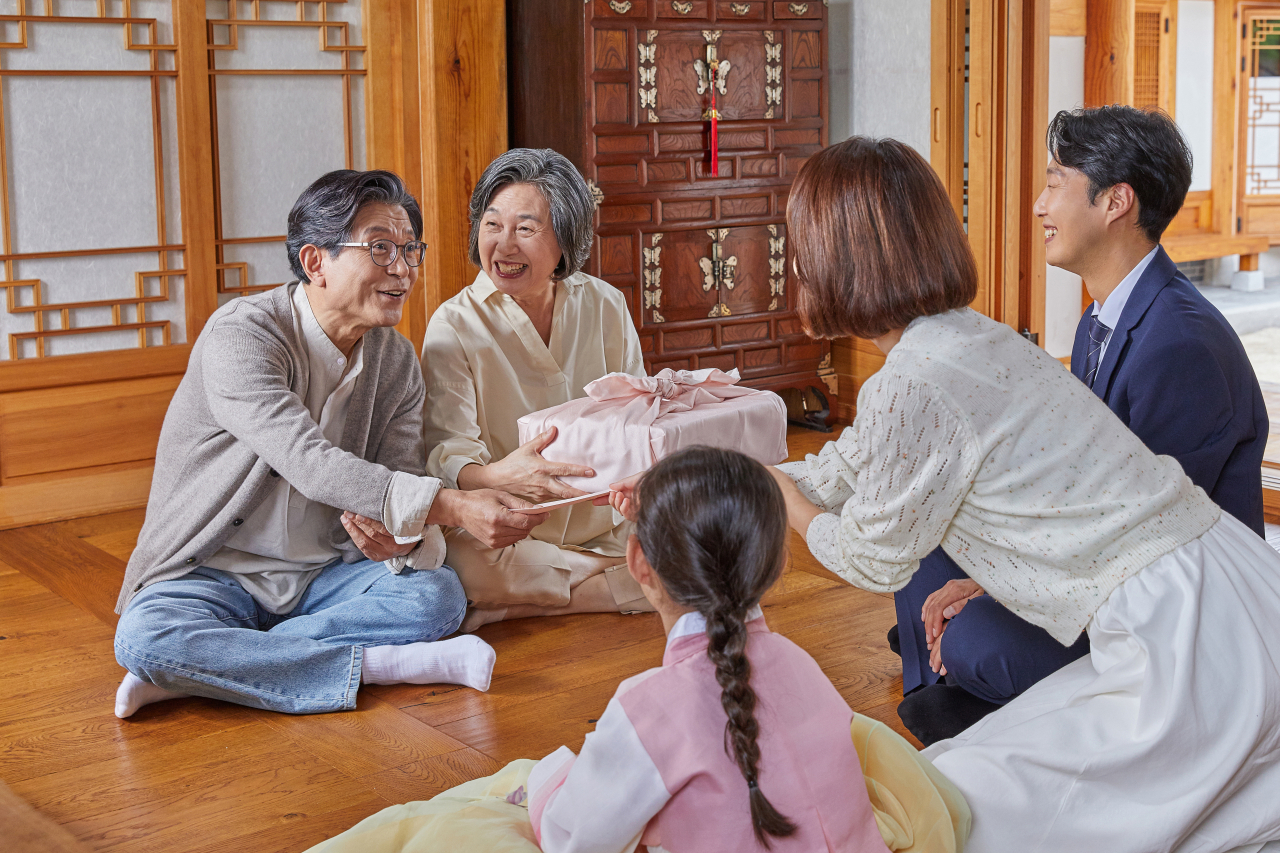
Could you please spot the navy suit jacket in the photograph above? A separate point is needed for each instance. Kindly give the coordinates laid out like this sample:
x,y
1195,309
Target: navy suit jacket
x,y
1176,373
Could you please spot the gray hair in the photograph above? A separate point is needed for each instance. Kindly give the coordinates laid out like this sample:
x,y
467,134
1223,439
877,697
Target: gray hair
x,y
560,184
323,214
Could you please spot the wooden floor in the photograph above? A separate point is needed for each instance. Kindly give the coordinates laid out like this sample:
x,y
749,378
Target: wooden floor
x,y
201,775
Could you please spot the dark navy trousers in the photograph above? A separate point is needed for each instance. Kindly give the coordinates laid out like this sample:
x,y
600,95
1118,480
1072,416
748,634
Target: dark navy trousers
x,y
987,649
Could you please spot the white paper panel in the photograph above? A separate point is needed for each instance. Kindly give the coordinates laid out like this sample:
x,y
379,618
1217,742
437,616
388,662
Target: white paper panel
x,y
276,135
169,153
1193,108
268,263
81,162
275,47
84,279
1263,138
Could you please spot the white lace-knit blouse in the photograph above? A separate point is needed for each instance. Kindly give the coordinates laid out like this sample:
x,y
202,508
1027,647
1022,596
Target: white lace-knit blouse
x,y
972,438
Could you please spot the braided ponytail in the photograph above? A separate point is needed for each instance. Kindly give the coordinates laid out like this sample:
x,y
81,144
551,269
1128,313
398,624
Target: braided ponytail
x,y
727,648
712,523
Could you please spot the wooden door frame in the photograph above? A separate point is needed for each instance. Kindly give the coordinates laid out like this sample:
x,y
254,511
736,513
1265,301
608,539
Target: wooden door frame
x,y
1008,116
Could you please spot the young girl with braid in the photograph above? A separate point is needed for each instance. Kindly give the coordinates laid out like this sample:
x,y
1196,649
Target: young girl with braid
x,y
738,741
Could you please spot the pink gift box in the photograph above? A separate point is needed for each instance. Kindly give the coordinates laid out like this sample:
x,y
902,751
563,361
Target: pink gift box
x,y
627,423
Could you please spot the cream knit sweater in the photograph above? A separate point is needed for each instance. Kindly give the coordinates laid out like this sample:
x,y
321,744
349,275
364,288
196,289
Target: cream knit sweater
x,y
972,438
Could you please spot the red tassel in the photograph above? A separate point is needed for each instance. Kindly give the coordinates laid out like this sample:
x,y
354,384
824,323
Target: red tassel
x,y
715,119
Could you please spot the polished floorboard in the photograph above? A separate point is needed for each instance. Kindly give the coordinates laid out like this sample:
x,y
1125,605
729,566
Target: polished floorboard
x,y
200,775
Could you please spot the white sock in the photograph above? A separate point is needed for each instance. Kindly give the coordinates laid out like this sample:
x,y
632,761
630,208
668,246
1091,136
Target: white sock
x,y
133,693
464,660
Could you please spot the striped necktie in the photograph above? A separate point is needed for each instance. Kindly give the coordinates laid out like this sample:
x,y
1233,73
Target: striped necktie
x,y
1098,334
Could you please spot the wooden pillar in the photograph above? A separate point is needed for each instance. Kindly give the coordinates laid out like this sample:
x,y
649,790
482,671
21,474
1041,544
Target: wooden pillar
x,y
393,121
462,96
1108,53
1007,114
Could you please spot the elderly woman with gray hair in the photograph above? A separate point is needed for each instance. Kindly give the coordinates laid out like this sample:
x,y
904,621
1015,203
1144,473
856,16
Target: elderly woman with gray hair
x,y
527,334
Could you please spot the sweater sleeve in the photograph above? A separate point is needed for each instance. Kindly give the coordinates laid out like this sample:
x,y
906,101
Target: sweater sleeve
x,y
896,479
246,384
602,800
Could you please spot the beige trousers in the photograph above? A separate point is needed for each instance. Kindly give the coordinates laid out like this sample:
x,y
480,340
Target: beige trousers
x,y
535,572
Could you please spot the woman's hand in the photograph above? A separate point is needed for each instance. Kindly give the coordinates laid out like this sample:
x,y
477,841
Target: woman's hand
x,y
526,474
373,539
944,604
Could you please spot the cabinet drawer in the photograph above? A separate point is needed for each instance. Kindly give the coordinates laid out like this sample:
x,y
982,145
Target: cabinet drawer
x,y
682,9
730,11
787,10
621,8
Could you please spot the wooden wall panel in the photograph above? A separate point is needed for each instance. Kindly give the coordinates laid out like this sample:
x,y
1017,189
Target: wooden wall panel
x,y
81,426
855,361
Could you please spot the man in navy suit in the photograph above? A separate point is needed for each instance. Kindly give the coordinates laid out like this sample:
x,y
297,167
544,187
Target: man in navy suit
x,y
1156,352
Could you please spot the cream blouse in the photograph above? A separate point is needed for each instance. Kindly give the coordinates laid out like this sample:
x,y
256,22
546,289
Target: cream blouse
x,y
972,438
486,366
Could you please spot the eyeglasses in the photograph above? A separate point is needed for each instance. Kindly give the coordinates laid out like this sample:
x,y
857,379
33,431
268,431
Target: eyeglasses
x,y
384,252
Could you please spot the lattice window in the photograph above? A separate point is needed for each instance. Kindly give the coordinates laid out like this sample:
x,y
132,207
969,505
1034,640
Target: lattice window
x,y
90,236
1262,115
288,103
1146,60
91,240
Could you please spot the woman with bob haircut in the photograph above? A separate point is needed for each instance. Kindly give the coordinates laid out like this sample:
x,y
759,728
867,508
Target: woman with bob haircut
x,y
1166,736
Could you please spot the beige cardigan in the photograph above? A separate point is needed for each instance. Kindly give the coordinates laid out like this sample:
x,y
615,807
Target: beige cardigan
x,y
237,421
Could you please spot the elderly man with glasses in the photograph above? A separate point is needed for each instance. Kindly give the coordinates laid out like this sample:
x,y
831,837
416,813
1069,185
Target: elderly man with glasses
x,y
291,548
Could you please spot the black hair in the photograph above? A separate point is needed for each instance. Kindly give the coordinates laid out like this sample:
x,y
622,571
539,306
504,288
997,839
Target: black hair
x,y
323,214
1124,145
713,525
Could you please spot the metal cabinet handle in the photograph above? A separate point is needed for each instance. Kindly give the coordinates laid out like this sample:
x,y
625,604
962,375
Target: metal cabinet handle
x,y
740,8
681,8
621,8
798,8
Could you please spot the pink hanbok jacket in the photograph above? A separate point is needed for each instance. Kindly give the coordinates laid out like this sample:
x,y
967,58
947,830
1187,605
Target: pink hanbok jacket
x,y
655,770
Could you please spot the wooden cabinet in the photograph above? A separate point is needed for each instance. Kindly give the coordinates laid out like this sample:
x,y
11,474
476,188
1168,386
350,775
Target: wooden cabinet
x,y
623,89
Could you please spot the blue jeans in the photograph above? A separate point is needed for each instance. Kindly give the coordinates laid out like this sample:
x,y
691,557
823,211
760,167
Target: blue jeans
x,y
988,649
204,635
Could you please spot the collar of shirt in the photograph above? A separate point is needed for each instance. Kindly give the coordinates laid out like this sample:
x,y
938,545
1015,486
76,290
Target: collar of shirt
x,y
483,286
542,356
327,367
1109,313
695,623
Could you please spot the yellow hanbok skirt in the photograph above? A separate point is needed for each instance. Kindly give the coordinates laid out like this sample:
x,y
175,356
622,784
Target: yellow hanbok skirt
x,y
917,809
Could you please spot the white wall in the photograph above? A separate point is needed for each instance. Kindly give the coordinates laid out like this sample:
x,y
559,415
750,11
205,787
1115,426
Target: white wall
x,y
1062,289
879,70
1193,92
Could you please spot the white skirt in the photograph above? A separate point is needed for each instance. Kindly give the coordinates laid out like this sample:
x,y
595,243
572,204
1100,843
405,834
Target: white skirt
x,y
1166,737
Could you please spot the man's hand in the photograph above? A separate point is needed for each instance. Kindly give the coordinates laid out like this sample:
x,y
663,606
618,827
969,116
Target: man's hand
x,y
485,514
935,654
946,603
525,473
373,539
